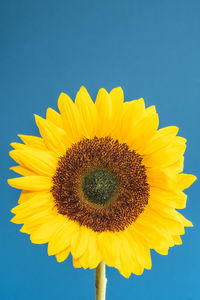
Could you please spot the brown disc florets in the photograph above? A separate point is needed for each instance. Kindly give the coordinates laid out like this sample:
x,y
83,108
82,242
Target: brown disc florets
x,y
101,183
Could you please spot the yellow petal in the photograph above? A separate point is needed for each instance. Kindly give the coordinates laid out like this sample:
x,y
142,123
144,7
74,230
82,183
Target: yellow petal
x,y
22,171
76,263
94,255
104,110
45,231
156,226
83,260
26,195
79,242
176,167
165,213
161,139
54,117
36,200
131,115
177,239
143,130
158,178
117,99
34,219
38,161
133,111
183,220
185,180
87,111
63,255
28,228
72,120
27,214
165,156
176,199
17,145
109,247
142,251
31,183
154,237
166,222
54,137
61,239
32,141
162,251
128,262
160,205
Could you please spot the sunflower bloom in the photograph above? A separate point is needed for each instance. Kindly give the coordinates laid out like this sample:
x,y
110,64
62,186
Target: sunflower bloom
x,y
102,182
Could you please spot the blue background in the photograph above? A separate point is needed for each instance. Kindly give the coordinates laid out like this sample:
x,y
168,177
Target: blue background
x,y
152,50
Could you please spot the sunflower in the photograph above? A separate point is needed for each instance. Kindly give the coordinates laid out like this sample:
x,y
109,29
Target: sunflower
x,y
102,182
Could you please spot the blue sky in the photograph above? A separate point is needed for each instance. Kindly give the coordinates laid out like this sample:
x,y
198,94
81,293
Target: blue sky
x,y
149,48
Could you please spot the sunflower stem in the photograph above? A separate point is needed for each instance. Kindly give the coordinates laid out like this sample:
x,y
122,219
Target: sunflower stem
x,y
100,281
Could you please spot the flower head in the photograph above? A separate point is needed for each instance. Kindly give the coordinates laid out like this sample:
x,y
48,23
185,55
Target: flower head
x,y
102,182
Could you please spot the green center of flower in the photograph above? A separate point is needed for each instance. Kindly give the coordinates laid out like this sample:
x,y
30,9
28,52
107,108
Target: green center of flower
x,y
99,186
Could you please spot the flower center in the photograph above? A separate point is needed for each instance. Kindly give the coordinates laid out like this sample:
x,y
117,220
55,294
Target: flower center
x,y
99,186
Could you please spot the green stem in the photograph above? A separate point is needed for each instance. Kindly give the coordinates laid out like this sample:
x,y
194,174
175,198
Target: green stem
x,y
100,282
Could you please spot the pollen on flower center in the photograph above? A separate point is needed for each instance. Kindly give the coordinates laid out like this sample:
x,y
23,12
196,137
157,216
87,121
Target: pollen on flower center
x,y
101,183
99,186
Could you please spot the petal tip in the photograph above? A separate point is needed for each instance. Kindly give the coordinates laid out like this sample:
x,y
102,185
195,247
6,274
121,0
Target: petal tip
x,y
12,145
20,136
117,88
13,210
83,89
9,181
102,91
